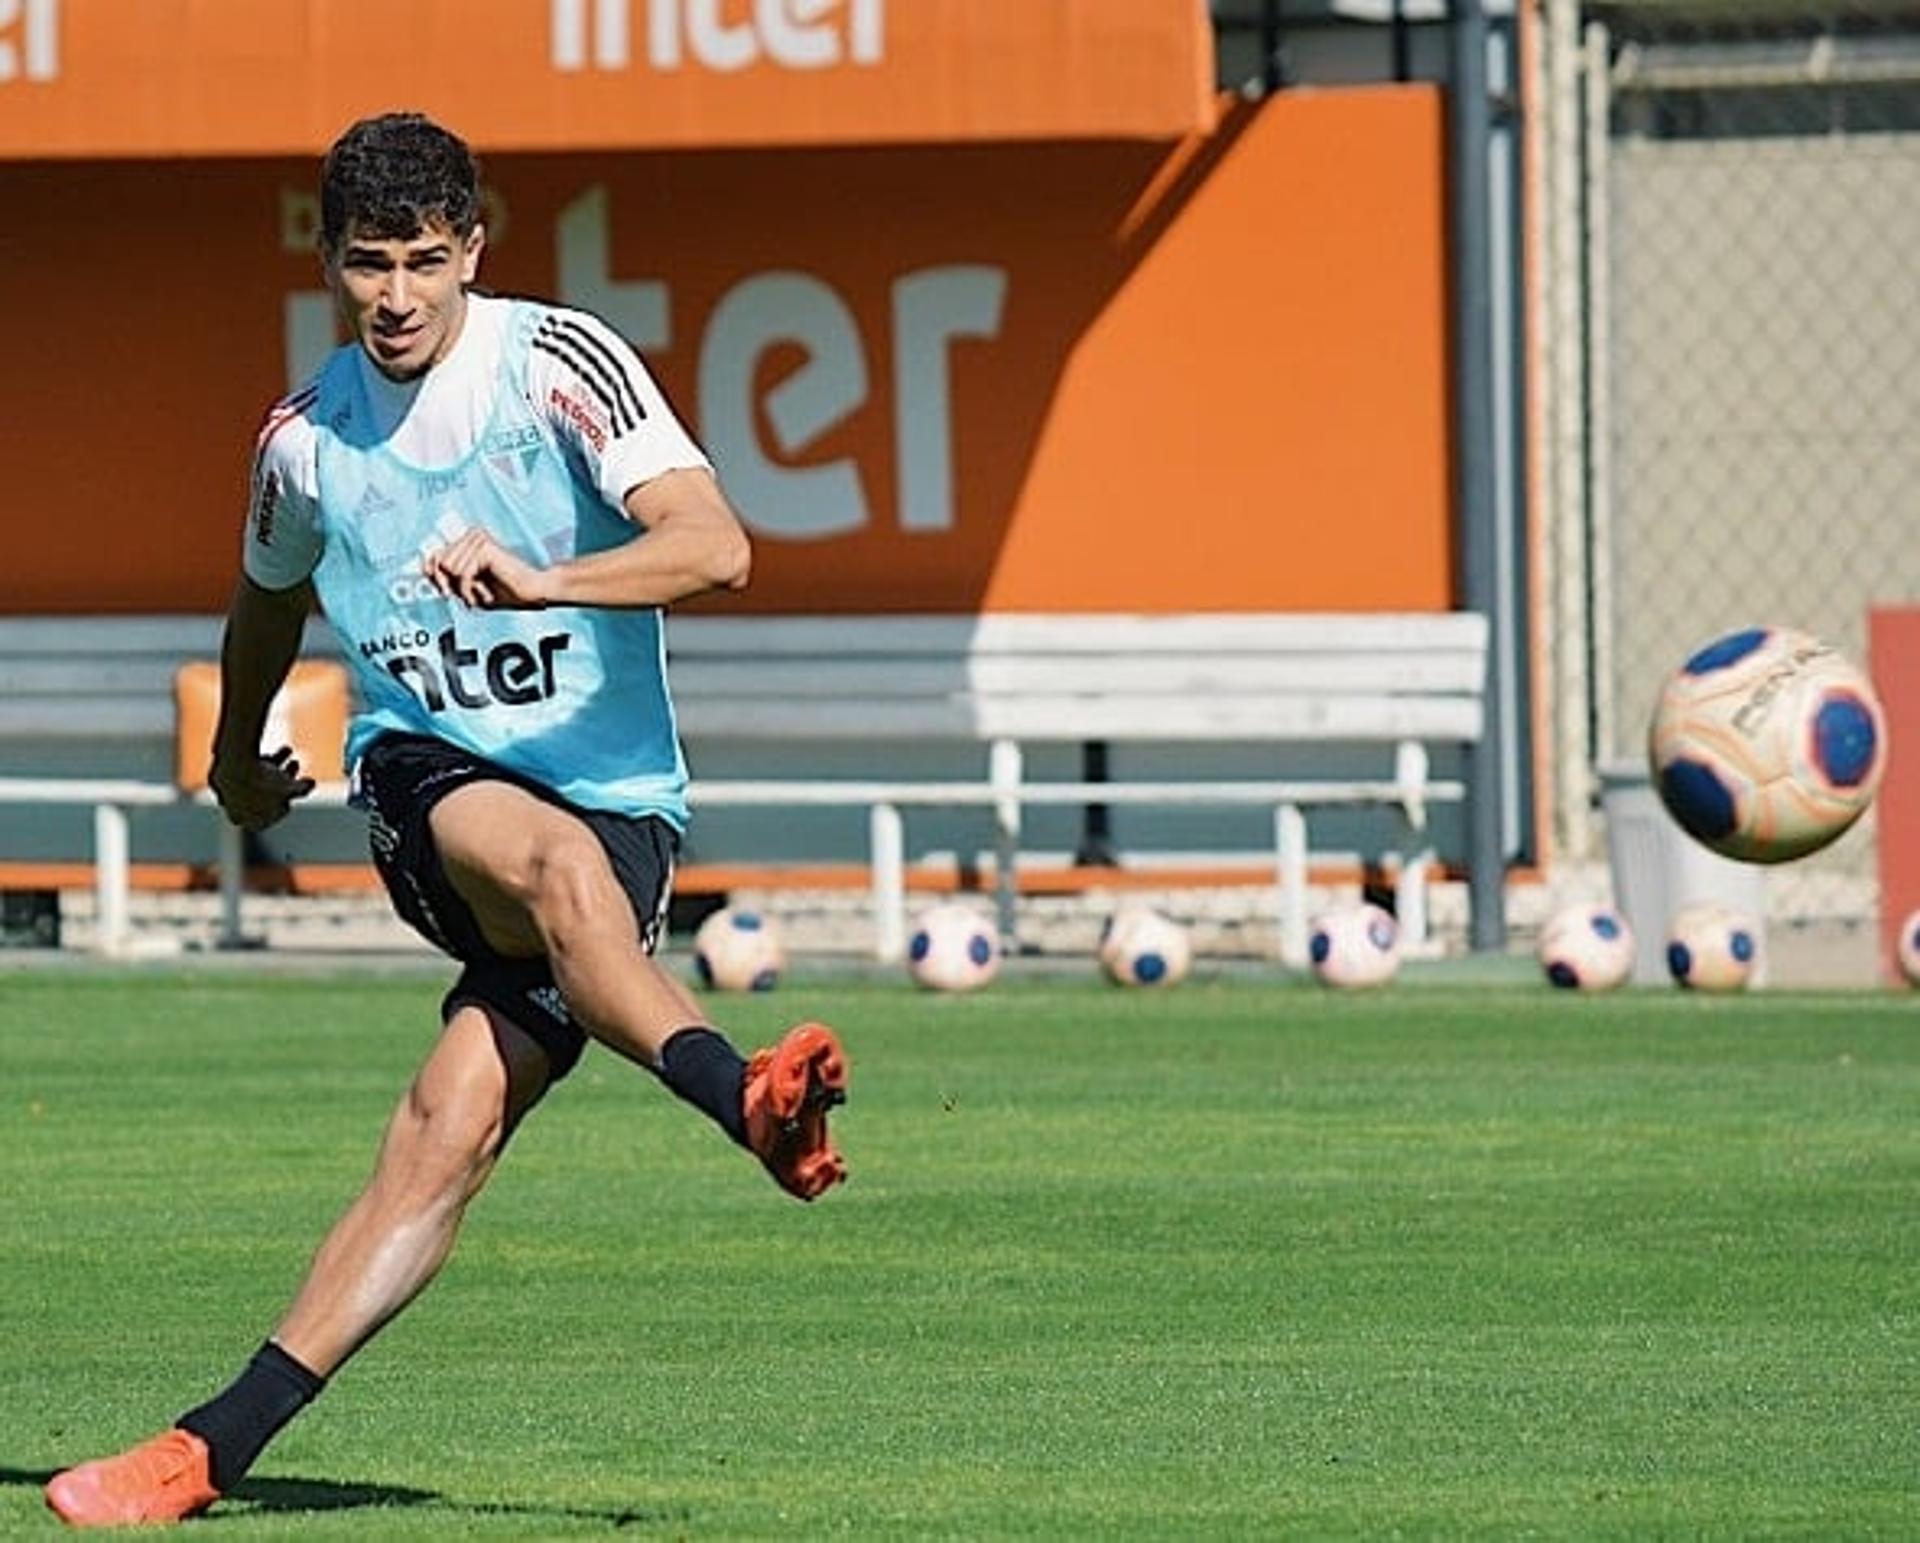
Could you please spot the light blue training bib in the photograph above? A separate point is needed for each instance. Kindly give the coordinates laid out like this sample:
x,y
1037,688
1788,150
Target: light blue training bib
x,y
573,697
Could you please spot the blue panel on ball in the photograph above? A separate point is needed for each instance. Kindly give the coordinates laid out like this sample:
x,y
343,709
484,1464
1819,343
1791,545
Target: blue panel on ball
x,y
917,949
1380,934
1320,947
980,949
1740,945
1605,925
764,981
1698,799
1563,974
1149,968
1722,652
1844,740
1679,962
705,966
746,921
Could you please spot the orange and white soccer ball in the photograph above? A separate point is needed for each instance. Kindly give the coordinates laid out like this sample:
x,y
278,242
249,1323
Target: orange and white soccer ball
x,y
953,948
739,950
1712,947
1767,744
1355,945
1586,948
1906,950
1141,947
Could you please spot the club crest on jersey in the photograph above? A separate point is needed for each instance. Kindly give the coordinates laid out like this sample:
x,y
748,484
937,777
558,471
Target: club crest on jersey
x,y
514,466
522,441
513,451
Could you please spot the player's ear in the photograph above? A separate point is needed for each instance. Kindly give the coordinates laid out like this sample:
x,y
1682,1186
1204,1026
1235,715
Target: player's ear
x,y
476,243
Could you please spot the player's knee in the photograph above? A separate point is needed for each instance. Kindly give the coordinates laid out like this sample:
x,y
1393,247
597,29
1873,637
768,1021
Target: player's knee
x,y
569,883
448,1136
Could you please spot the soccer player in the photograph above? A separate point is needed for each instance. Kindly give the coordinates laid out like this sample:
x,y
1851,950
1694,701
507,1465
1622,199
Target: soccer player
x,y
492,502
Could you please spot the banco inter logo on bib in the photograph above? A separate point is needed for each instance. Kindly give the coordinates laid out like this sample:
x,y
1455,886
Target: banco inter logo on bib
x,y
510,674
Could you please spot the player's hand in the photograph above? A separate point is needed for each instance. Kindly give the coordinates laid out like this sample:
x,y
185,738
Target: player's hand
x,y
478,571
255,791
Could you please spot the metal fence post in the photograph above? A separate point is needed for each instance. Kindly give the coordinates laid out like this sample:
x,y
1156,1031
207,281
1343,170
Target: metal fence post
x,y
1469,134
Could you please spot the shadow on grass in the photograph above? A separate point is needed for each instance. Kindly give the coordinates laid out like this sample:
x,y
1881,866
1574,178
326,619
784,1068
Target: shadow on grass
x,y
321,1495
258,1495
254,1495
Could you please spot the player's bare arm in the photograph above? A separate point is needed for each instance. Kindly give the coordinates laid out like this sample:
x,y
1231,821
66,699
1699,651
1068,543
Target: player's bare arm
x,y
692,542
258,650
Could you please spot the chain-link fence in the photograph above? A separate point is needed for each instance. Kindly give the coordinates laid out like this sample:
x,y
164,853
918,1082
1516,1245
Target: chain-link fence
x,y
1735,381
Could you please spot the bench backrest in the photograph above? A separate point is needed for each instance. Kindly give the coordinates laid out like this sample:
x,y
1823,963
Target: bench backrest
x,y
1069,678
1023,677
96,677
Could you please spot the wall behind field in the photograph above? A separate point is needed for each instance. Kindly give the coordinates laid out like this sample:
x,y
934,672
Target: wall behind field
x,y
1057,377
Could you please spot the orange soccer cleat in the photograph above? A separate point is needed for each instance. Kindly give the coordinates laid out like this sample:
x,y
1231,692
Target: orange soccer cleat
x,y
161,1480
789,1090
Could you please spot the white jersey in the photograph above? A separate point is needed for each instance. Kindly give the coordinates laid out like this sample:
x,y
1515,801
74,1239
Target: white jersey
x,y
585,382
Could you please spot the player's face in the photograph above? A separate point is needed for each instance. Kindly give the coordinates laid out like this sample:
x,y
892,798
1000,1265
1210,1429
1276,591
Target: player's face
x,y
405,299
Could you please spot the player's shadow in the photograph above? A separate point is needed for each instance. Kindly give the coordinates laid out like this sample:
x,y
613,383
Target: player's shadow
x,y
329,1495
323,1495
295,1494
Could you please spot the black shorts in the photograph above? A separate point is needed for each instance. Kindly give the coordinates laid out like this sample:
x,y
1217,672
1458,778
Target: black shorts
x,y
397,782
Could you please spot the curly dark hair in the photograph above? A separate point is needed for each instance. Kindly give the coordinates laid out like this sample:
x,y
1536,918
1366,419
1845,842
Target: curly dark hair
x,y
393,175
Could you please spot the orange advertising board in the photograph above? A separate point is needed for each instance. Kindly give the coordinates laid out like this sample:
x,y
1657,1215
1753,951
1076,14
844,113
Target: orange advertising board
x,y
1056,377
109,78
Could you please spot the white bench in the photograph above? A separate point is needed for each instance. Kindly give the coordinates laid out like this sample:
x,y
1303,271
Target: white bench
x,y
1397,682
80,691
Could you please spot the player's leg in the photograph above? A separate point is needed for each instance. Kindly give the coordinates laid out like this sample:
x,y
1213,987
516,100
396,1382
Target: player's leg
x,y
481,1078
485,866
439,1149
539,883
586,893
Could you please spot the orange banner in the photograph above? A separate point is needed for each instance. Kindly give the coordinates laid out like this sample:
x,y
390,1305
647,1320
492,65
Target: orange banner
x,y
110,78
1096,377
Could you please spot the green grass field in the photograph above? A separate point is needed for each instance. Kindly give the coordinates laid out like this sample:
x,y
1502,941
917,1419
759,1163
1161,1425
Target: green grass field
x,y
1242,1260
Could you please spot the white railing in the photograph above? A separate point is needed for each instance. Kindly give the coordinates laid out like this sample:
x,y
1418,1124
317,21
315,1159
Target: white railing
x,y
1005,791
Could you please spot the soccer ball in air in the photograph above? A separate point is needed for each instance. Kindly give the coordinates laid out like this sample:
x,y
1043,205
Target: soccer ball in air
x,y
738,950
1767,744
1587,948
1357,945
952,948
1712,947
1140,947
1907,948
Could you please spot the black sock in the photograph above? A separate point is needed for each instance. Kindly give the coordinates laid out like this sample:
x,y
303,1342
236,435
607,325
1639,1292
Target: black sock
x,y
703,1068
238,1423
